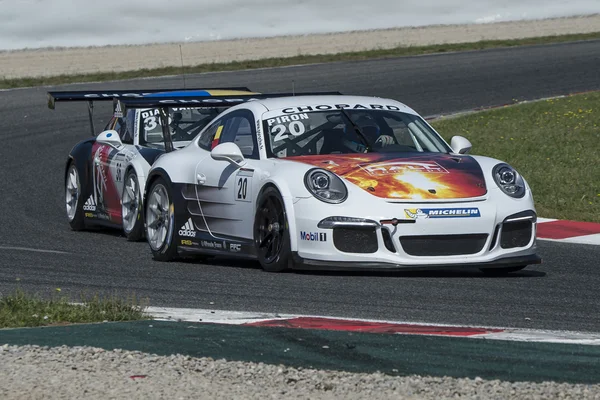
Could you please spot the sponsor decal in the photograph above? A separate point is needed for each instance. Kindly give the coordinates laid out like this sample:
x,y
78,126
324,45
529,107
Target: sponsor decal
x,y
313,236
129,155
118,110
90,204
411,176
111,95
89,215
404,166
215,140
102,216
424,213
325,107
286,119
212,244
186,242
259,136
188,229
205,101
235,247
101,172
136,124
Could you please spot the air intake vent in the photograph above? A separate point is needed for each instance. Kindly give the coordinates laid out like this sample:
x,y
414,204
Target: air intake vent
x,y
443,245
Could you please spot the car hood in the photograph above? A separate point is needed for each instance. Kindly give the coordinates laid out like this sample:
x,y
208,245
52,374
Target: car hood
x,y
406,176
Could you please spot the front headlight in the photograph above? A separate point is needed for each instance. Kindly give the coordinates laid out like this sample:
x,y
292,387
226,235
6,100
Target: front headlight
x,y
509,180
325,186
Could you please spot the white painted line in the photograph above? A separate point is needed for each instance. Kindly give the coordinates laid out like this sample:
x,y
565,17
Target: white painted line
x,y
541,336
32,249
585,239
212,316
542,220
243,317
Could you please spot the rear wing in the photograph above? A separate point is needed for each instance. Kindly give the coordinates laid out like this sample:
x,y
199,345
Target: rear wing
x,y
166,101
109,95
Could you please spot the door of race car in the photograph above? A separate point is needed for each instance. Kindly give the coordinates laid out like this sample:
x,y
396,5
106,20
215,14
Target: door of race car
x,y
225,192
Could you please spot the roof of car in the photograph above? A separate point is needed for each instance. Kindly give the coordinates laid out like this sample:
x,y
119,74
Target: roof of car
x,y
316,100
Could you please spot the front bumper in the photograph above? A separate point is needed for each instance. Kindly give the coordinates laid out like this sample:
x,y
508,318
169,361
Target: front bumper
x,y
308,264
498,234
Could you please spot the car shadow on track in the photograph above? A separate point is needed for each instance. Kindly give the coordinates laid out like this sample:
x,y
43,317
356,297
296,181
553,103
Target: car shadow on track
x,y
422,273
429,274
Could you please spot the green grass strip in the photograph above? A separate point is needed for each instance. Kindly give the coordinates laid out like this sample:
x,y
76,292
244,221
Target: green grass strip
x,y
21,309
296,60
552,143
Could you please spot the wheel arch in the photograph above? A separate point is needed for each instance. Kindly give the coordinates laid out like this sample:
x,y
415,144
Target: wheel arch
x,y
152,176
288,202
81,156
141,176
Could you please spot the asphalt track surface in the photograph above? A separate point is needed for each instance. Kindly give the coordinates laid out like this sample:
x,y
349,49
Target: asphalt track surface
x,y
562,293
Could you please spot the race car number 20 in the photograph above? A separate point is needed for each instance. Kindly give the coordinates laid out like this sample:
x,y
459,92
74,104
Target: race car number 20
x,y
296,128
243,189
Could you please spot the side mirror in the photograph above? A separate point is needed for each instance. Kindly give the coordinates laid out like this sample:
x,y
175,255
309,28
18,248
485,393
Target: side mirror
x,y
460,145
110,138
228,152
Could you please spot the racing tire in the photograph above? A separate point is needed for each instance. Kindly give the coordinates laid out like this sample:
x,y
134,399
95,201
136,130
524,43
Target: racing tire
x,y
74,199
501,271
131,209
160,221
271,232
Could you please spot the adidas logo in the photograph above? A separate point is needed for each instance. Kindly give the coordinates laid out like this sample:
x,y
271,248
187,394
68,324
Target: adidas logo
x,y
188,229
118,110
90,204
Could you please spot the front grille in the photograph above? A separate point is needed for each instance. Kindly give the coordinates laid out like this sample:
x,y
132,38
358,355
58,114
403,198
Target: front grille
x,y
516,234
355,240
443,245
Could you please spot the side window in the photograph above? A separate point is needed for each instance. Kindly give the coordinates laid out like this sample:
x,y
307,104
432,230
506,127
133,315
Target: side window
x,y
213,132
239,129
127,127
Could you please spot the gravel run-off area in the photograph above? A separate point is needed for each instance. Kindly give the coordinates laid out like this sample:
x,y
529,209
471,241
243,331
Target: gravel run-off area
x,y
50,62
34,372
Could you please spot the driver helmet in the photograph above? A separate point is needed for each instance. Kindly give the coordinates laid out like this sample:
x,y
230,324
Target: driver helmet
x,y
369,127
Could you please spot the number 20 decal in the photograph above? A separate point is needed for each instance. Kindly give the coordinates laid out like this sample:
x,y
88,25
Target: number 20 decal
x,y
296,128
243,189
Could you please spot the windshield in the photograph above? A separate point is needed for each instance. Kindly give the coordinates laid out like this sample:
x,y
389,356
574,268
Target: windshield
x,y
348,131
185,124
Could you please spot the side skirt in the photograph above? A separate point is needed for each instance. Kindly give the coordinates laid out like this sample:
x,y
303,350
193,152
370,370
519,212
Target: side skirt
x,y
205,244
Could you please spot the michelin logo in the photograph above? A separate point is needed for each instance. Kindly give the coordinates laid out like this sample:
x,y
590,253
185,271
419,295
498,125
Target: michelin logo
x,y
313,236
422,213
188,229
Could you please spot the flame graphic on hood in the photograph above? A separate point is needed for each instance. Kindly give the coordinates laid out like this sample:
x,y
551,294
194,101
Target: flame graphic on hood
x,y
406,176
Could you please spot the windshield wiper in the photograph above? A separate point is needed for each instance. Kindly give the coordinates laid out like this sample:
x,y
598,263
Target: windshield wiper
x,y
358,131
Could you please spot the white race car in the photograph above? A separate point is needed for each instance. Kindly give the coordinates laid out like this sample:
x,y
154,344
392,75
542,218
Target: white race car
x,y
336,182
104,173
